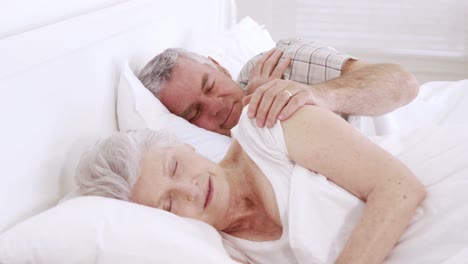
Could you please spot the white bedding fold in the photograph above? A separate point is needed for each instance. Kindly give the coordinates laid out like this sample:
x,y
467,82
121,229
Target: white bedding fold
x,y
438,103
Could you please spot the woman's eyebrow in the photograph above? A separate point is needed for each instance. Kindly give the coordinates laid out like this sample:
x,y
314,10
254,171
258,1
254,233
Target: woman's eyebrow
x,y
166,164
165,171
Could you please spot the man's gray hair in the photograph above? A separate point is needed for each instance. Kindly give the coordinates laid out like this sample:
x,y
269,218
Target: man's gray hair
x,y
158,71
111,168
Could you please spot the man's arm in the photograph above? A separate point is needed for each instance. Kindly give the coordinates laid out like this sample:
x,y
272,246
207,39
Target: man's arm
x,y
367,89
361,89
323,76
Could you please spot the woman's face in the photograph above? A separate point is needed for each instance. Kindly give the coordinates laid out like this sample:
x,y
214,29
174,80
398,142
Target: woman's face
x,y
179,180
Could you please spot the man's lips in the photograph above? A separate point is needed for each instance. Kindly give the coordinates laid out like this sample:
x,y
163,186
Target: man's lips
x,y
209,193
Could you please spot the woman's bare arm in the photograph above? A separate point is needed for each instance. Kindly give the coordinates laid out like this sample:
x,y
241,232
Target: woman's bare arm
x,y
323,142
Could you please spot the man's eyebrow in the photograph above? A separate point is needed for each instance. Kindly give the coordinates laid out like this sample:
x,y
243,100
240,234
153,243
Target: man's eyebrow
x,y
190,108
204,80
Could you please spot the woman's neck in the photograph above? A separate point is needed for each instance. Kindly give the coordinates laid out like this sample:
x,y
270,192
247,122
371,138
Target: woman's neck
x,y
246,212
243,201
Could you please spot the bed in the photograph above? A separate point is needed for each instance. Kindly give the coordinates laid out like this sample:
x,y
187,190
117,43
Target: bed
x,y
69,83
65,85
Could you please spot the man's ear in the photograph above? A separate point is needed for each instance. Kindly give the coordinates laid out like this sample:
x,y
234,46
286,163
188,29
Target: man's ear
x,y
221,68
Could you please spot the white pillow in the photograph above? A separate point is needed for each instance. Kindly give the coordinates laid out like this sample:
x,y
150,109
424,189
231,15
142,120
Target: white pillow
x,y
137,108
233,48
102,230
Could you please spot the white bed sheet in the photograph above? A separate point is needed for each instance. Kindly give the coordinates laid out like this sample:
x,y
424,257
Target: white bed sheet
x,y
438,103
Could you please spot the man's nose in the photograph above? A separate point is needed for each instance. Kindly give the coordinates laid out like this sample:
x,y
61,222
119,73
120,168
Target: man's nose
x,y
214,105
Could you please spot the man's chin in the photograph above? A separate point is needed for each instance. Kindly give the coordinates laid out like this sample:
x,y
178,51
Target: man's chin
x,y
235,115
226,133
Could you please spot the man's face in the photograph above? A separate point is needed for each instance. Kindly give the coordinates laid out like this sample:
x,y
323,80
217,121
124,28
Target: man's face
x,y
205,96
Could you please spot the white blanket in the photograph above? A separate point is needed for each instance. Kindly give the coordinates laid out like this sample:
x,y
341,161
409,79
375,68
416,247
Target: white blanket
x,y
436,150
438,103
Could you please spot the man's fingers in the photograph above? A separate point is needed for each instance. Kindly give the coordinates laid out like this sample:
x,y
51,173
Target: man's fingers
x,y
246,100
256,98
277,99
258,68
262,99
281,68
288,110
271,63
272,97
297,101
281,100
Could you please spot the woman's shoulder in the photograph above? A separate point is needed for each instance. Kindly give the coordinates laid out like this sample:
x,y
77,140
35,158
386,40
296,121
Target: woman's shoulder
x,y
313,121
249,134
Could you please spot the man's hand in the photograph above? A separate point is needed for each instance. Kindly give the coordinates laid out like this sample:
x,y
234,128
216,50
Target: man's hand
x,y
361,89
266,69
279,99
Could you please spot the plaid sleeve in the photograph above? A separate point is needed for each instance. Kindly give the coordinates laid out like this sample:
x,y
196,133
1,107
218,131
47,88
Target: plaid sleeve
x,y
243,78
311,63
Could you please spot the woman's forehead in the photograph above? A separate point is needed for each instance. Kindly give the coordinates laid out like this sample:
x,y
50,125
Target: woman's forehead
x,y
161,154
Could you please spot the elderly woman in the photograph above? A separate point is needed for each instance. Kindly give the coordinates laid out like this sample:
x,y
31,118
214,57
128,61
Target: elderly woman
x,y
310,189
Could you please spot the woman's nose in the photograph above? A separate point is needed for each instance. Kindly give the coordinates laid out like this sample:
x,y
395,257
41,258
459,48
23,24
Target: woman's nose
x,y
188,189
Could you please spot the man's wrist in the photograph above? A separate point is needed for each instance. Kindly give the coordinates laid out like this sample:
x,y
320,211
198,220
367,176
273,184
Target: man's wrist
x,y
323,96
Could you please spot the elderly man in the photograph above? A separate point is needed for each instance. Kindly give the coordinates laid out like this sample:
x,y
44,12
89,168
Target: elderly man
x,y
275,84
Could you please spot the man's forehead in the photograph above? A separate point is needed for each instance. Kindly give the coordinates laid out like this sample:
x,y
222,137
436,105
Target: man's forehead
x,y
180,92
188,72
189,64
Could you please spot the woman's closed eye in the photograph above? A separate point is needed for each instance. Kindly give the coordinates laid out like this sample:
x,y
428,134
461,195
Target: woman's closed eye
x,y
169,198
174,169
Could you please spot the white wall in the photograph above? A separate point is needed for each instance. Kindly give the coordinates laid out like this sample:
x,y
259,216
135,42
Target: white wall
x,y
279,17
18,16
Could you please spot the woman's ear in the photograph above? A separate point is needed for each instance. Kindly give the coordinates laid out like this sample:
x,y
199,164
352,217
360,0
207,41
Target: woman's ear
x,y
221,68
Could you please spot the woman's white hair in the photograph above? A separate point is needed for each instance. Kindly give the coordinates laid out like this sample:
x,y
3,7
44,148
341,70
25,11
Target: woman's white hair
x,y
111,168
158,71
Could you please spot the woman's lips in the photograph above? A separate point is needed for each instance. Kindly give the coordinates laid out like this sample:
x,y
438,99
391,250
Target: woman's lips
x,y
209,194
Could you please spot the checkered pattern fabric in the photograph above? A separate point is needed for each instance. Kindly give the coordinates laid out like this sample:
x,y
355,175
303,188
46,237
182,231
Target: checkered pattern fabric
x,y
311,62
